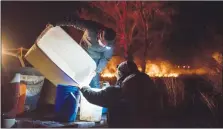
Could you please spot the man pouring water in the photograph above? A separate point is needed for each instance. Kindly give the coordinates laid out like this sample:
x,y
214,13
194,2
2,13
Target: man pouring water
x,y
97,40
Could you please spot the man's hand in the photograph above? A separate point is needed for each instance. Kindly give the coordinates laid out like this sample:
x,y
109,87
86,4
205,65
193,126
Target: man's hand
x,y
94,73
80,86
49,25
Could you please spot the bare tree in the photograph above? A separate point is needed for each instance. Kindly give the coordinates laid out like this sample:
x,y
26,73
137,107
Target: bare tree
x,y
138,24
155,18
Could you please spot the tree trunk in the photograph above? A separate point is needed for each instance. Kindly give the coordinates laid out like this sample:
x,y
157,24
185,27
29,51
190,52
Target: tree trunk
x,y
129,56
146,38
145,52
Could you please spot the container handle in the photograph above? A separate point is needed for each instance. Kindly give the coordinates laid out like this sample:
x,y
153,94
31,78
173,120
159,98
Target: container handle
x,y
73,96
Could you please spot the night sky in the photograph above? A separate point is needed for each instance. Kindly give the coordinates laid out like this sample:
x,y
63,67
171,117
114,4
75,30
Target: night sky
x,y
23,21
191,36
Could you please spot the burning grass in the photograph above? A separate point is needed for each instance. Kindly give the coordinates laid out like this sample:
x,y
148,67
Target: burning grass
x,y
190,97
188,101
156,68
215,77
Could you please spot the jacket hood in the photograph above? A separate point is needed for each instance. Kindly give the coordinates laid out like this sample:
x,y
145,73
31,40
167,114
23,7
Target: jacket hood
x,y
125,69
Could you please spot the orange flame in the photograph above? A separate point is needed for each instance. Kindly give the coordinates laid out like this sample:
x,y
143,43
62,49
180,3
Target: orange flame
x,y
157,68
217,56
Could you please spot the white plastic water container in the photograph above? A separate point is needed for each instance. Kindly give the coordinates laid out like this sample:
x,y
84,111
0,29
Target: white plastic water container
x,y
88,111
60,58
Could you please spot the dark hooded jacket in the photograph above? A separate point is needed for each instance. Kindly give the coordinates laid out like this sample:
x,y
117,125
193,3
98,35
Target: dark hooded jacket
x,y
131,103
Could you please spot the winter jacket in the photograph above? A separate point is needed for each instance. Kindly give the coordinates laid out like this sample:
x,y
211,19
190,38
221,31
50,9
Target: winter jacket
x,y
132,104
89,41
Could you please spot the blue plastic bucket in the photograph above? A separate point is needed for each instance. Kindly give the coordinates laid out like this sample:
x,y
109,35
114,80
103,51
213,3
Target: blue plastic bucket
x,y
66,103
104,110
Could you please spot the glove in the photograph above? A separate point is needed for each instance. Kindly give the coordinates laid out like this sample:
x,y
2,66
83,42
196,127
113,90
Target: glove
x,y
48,25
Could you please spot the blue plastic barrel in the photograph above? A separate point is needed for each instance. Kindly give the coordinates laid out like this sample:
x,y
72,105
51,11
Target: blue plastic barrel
x,y
66,103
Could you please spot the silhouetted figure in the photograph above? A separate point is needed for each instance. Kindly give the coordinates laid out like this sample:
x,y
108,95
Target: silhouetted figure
x,y
133,102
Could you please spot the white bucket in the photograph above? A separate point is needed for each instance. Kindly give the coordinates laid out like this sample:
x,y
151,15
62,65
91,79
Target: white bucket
x,y
88,111
61,59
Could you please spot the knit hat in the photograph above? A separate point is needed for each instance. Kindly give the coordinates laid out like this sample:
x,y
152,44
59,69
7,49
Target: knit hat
x,y
127,67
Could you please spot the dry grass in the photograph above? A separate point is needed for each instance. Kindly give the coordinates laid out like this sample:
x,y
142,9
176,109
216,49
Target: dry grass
x,y
193,95
185,98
